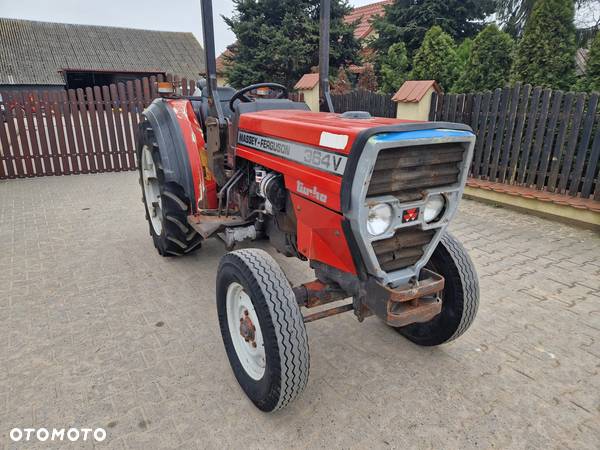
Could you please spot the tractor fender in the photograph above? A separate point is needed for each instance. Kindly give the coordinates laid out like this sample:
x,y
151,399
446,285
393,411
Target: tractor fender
x,y
180,142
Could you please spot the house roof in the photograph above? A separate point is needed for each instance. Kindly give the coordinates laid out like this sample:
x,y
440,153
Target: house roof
x,y
413,91
35,52
221,63
365,15
307,82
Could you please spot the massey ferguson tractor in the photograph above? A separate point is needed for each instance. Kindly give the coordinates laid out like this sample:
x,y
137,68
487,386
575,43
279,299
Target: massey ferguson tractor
x,y
366,201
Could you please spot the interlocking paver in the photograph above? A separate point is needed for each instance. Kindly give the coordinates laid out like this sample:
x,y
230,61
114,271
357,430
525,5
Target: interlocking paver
x,y
97,330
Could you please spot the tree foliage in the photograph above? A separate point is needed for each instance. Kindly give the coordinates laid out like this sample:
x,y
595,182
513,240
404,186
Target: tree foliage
x,y
408,21
514,14
591,81
463,52
341,85
394,68
546,53
367,79
278,40
488,65
436,59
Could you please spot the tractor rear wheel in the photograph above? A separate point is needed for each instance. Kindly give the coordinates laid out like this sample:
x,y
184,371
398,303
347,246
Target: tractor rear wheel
x,y
262,328
166,205
460,297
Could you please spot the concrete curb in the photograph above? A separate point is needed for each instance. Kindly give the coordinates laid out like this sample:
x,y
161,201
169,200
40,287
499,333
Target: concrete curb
x,y
563,213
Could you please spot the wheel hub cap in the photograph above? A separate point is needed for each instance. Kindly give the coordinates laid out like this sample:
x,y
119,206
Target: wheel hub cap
x,y
247,329
244,329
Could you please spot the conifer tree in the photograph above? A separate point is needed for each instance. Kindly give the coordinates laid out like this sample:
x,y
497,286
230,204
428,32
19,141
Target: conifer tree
x,y
546,53
488,65
436,59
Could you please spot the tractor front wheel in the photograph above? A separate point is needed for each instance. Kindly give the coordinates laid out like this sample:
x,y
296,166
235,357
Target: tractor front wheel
x,y
262,328
165,203
460,297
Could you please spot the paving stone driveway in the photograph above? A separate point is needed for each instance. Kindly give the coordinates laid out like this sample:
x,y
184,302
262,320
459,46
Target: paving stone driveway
x,y
97,330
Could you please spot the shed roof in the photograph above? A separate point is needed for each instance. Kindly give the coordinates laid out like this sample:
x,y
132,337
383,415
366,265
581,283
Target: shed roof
x,y
307,82
35,52
413,91
365,15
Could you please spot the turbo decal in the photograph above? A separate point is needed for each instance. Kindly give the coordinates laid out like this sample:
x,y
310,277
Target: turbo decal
x,y
311,192
303,154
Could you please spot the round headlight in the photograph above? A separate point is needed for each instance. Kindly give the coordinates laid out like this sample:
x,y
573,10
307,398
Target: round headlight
x,y
380,218
434,208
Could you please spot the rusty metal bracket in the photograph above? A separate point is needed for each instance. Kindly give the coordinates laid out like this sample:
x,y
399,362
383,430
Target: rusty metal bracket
x,y
328,313
317,293
416,302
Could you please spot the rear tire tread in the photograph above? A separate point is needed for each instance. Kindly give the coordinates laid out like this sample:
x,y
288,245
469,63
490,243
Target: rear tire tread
x,y
176,238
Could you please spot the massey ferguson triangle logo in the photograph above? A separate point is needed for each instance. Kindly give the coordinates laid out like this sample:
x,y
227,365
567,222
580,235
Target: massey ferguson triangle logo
x,y
311,192
410,215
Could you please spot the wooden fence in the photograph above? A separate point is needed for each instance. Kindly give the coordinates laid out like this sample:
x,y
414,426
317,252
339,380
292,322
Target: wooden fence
x,y
76,131
526,136
535,137
379,105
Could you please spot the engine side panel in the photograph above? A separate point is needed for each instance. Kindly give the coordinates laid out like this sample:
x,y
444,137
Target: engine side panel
x,y
320,235
320,187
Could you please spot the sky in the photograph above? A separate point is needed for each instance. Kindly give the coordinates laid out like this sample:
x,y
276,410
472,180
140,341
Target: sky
x,y
170,15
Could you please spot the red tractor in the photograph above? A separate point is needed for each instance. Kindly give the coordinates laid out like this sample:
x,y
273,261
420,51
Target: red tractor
x,y
365,200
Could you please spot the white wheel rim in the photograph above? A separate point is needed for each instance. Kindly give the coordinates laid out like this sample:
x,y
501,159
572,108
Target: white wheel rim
x,y
151,188
252,357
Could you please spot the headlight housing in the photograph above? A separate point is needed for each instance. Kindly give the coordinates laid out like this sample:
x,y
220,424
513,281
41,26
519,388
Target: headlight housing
x,y
434,208
380,218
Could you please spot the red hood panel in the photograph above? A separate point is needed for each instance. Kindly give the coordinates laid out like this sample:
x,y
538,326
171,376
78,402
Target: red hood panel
x,y
307,127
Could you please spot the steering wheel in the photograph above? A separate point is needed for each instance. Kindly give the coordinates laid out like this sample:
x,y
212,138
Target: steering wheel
x,y
241,94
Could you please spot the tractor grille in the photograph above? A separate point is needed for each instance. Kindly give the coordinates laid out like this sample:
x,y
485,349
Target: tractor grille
x,y
404,172
402,250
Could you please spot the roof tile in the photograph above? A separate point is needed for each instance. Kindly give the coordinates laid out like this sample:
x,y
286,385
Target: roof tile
x,y
307,82
365,15
413,91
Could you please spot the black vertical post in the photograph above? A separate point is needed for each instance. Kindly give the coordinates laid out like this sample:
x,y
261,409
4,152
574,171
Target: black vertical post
x,y
325,97
208,34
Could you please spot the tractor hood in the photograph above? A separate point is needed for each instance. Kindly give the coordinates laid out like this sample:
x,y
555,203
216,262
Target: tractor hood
x,y
330,131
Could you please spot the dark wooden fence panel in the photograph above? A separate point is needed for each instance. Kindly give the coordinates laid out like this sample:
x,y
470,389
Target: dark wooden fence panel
x,y
380,105
549,140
